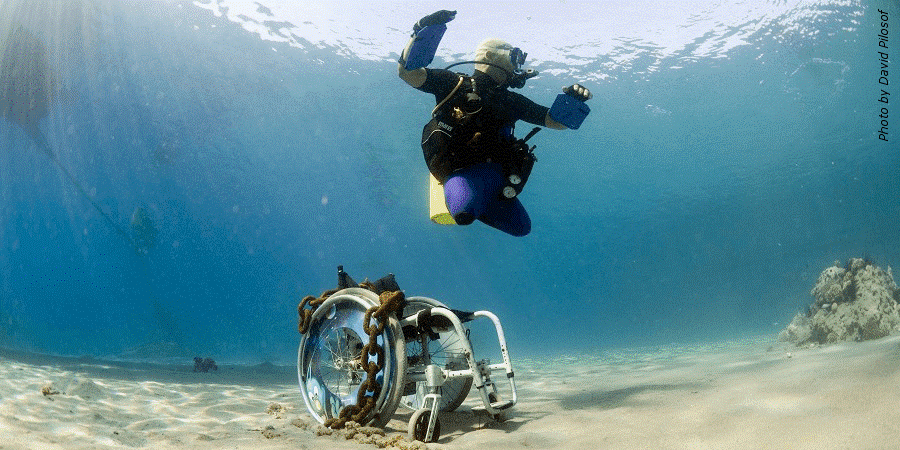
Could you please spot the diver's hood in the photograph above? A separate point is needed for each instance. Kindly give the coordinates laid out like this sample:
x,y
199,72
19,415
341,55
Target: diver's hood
x,y
496,53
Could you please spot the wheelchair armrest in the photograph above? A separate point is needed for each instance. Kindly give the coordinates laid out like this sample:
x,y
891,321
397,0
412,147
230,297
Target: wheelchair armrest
x,y
424,322
464,316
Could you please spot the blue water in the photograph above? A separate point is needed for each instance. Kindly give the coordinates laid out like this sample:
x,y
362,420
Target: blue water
x,y
699,201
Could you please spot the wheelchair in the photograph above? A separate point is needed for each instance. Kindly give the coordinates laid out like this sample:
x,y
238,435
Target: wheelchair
x,y
425,363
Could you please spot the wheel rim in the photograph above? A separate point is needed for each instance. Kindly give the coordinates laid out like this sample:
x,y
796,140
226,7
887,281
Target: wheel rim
x,y
329,365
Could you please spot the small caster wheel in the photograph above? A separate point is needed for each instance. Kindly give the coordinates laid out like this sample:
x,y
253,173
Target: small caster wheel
x,y
418,426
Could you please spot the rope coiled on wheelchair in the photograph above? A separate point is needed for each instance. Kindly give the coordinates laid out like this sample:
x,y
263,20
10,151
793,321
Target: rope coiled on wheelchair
x,y
390,302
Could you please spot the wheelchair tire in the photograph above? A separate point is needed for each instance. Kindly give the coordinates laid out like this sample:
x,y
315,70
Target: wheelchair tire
x,y
418,426
447,351
329,358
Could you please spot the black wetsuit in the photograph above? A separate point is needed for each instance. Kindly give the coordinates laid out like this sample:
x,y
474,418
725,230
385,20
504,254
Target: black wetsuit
x,y
447,142
473,174
502,107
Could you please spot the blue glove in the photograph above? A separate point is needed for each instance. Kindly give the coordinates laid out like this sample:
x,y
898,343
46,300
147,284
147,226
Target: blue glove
x,y
438,18
569,108
427,34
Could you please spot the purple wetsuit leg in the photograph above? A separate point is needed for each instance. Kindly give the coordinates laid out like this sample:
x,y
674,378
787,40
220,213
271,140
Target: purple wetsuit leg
x,y
474,193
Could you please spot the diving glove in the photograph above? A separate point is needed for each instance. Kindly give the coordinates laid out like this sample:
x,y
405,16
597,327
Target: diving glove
x,y
438,18
578,92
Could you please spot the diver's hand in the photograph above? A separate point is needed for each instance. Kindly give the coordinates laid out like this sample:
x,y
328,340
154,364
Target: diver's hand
x,y
441,17
578,92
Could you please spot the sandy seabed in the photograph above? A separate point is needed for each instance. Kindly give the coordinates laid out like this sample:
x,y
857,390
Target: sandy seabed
x,y
747,394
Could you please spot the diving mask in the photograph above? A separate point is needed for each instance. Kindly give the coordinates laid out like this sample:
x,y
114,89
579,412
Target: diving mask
x,y
517,58
517,78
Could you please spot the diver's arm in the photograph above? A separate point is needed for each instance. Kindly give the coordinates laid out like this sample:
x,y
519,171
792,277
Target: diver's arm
x,y
550,123
525,109
415,76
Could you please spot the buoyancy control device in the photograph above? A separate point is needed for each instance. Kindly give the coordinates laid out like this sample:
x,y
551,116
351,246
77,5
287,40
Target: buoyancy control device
x,y
456,137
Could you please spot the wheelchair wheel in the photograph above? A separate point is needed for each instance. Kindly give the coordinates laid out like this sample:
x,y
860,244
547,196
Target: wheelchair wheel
x,y
329,361
418,426
446,351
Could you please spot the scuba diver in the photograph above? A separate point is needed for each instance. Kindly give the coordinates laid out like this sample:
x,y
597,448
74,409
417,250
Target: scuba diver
x,y
469,145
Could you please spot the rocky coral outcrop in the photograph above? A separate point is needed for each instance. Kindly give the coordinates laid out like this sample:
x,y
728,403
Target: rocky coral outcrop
x,y
854,302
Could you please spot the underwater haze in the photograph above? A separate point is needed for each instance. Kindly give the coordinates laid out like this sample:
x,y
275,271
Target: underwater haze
x,y
177,175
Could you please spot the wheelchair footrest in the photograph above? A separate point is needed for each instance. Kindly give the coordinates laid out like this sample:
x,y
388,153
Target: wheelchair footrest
x,y
499,406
